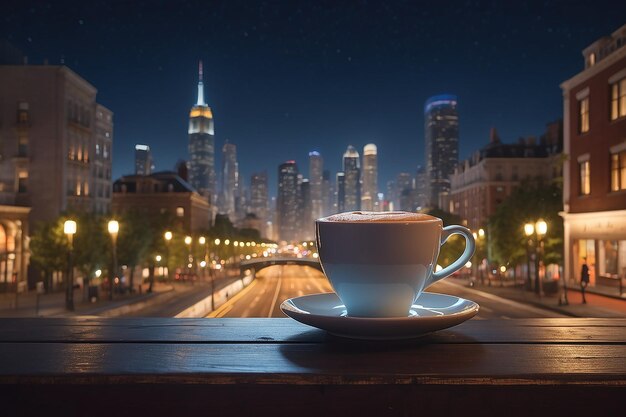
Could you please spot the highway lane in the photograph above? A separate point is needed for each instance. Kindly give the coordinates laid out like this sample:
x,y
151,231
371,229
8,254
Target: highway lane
x,y
262,298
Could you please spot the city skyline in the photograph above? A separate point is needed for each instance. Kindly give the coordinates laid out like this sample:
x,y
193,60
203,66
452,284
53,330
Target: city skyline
x,y
267,71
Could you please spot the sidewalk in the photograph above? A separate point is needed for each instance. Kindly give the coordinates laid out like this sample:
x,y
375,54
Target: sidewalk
x,y
597,305
51,305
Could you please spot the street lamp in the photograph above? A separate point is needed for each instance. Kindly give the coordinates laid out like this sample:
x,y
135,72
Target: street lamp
x,y
188,242
69,228
529,230
168,237
114,228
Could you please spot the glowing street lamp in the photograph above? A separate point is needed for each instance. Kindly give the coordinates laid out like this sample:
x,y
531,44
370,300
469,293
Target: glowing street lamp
x,y
168,236
541,227
188,240
69,228
529,229
114,228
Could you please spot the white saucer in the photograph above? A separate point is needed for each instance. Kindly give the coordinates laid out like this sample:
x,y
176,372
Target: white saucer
x,y
430,313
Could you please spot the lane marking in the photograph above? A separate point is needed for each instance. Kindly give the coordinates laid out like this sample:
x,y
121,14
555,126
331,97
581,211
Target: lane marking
x,y
542,312
232,301
280,282
225,311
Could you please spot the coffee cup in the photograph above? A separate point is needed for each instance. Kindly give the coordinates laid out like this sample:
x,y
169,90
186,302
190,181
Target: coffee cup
x,y
379,263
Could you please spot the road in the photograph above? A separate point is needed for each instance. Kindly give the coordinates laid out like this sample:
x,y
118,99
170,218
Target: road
x,y
263,296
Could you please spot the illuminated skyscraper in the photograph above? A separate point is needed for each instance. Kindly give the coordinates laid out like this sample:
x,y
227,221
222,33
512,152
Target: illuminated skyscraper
x,y
229,180
202,145
340,192
328,201
316,172
143,160
352,171
287,202
369,198
259,202
442,144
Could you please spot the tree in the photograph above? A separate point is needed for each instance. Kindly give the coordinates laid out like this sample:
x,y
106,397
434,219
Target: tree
x,y
49,246
135,236
532,200
454,246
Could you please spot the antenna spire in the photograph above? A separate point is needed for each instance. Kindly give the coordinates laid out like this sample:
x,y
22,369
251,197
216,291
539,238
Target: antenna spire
x,y
200,87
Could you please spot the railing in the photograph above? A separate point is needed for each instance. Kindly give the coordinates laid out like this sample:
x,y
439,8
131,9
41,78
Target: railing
x,y
259,263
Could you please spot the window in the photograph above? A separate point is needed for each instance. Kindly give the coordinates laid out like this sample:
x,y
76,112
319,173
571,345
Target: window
x,y
22,182
618,99
180,211
22,112
585,180
583,115
618,171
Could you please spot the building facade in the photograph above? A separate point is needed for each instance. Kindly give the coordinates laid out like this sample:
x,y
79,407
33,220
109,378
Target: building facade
x,y
352,179
316,178
162,193
480,183
202,145
287,207
594,174
143,160
441,134
229,178
259,200
369,196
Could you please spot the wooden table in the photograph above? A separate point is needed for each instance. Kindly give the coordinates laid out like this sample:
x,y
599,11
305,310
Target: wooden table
x,y
222,367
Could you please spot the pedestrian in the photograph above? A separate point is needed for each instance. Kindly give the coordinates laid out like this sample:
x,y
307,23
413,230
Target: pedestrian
x,y
584,279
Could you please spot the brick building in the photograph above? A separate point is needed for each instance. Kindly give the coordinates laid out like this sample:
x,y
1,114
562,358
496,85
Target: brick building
x,y
480,183
163,193
594,195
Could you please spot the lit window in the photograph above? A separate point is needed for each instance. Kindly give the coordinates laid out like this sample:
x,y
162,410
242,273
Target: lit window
x,y
583,115
97,149
86,188
585,178
22,182
618,171
180,211
78,190
618,99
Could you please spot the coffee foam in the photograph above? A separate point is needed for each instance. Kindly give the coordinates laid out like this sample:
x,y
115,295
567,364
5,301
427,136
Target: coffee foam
x,y
378,217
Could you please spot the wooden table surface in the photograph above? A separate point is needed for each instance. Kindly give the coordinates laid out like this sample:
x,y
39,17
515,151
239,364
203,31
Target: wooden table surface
x,y
236,366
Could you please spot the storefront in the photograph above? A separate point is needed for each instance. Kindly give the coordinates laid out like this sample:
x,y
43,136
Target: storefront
x,y
599,239
14,253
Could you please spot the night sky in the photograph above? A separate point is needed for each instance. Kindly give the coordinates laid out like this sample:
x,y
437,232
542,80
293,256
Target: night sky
x,y
284,78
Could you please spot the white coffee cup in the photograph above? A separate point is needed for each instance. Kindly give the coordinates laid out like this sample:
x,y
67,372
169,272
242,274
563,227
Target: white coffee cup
x,y
380,262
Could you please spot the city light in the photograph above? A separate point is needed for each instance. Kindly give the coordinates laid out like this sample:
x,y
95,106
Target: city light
x,y
158,258
481,232
167,236
113,227
529,229
202,264
217,242
541,227
188,240
69,227
98,273
227,242
202,240
468,264
503,269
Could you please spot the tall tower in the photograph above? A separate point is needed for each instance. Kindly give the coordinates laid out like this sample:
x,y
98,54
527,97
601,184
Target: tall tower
x,y
202,145
352,171
441,122
316,172
369,198
143,160
229,180
287,202
259,201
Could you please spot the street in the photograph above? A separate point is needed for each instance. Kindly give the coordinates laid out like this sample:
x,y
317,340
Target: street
x,y
275,284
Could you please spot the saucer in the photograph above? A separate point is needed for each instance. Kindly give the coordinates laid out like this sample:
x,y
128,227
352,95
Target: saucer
x,y
431,312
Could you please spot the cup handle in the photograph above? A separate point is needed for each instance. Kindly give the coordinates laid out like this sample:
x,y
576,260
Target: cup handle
x,y
470,246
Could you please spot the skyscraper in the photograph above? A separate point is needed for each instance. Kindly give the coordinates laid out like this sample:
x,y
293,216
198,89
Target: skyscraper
x,y
287,201
316,172
421,188
229,189
328,201
352,171
143,160
340,192
259,203
202,145
306,227
441,122
369,198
